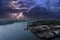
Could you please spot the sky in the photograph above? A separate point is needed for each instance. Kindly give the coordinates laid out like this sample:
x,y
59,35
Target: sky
x,y
50,5
41,3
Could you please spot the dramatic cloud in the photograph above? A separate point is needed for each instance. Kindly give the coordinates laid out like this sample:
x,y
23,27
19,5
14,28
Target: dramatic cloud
x,y
49,5
53,5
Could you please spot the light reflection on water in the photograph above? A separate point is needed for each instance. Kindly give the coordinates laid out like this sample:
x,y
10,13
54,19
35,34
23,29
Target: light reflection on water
x,y
16,32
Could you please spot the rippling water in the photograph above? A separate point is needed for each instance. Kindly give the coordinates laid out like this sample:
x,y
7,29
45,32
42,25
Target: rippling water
x,y
16,32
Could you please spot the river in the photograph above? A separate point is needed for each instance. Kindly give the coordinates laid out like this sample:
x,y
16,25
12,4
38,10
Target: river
x,y
16,31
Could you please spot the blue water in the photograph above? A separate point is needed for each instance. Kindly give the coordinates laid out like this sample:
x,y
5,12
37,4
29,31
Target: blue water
x,y
16,32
